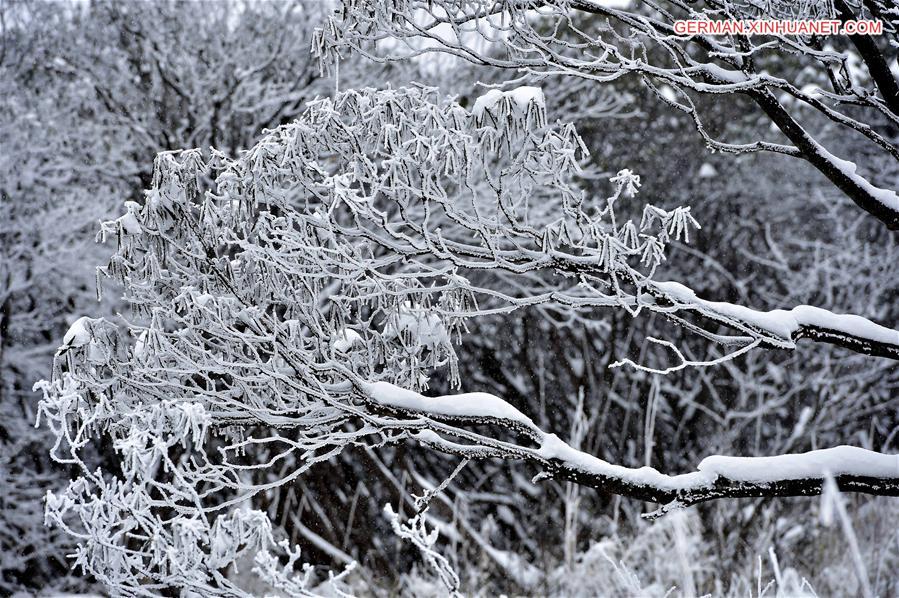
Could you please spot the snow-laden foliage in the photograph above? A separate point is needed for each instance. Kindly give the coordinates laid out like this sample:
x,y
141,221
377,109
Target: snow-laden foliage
x,y
91,92
245,277
259,346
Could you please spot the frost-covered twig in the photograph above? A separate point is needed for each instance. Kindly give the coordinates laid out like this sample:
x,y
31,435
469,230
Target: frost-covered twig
x,y
683,361
414,531
561,39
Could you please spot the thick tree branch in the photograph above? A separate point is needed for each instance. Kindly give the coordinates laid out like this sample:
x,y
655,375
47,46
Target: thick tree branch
x,y
853,469
874,60
883,204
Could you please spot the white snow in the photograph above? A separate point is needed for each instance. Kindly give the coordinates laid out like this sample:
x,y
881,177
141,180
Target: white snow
x,y
345,339
811,90
784,323
707,171
78,334
424,328
486,102
129,222
203,299
840,460
470,404
727,75
851,324
525,95
668,93
520,97
887,197
554,448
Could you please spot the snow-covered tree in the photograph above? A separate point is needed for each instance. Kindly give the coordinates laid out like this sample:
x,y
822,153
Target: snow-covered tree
x,y
292,303
409,243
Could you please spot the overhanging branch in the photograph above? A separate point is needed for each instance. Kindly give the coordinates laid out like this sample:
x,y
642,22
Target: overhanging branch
x,y
853,469
782,328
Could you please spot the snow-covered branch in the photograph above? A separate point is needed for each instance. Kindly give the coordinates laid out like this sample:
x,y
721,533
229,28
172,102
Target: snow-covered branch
x,y
782,328
854,469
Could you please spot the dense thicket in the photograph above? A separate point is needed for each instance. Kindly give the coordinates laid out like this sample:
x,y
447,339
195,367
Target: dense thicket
x,y
283,242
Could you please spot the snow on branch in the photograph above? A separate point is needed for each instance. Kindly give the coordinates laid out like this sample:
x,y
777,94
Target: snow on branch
x,y
854,469
782,328
480,406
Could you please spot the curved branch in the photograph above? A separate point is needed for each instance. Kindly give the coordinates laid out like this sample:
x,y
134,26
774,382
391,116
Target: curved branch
x,y
883,204
805,474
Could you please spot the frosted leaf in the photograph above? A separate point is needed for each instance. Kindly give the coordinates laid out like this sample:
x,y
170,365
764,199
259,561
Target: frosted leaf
x,y
627,182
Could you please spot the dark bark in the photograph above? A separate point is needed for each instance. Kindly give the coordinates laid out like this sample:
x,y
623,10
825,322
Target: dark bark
x,y
725,488
812,153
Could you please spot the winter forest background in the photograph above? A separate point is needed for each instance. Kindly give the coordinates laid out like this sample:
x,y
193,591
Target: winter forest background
x,y
557,218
